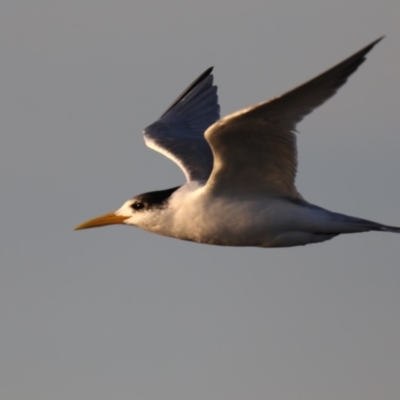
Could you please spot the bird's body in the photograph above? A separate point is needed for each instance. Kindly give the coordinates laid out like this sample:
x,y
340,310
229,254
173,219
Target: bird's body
x,y
192,213
240,171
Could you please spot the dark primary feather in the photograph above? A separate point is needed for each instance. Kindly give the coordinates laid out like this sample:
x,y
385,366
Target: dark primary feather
x,y
256,147
290,108
195,83
179,133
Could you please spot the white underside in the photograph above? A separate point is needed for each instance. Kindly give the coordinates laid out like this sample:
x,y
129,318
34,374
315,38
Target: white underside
x,y
263,221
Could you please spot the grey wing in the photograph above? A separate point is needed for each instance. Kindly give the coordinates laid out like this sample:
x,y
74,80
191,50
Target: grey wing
x,y
179,132
255,149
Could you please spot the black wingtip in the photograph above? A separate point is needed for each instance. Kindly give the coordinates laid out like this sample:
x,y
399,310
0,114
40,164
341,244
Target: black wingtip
x,y
195,83
364,51
371,45
344,69
208,71
378,40
358,58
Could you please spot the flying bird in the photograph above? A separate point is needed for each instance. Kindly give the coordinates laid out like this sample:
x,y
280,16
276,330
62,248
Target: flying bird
x,y
240,170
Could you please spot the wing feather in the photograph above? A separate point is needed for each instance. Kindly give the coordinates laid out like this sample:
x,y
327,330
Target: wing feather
x,y
179,132
255,149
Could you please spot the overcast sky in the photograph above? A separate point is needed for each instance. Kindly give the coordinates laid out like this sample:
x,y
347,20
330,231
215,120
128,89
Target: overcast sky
x,y
119,313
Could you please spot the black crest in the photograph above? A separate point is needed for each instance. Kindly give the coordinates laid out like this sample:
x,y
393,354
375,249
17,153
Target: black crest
x,y
157,199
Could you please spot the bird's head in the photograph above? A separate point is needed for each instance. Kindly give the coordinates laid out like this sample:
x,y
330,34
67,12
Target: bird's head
x,y
139,211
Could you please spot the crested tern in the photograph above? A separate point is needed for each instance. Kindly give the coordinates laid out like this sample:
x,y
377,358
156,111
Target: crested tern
x,y
240,170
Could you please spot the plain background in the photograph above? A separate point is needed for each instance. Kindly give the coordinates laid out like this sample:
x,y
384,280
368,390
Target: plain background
x,y
118,313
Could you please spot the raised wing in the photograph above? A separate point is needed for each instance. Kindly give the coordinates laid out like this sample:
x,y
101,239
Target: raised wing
x,y
255,149
179,132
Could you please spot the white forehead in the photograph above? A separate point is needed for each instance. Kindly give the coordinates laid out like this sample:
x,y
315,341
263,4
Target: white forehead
x,y
126,209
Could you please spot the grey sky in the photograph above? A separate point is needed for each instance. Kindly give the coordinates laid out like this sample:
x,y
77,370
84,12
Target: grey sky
x,y
118,313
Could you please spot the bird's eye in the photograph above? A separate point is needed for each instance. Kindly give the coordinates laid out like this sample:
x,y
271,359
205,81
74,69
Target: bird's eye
x,y
138,205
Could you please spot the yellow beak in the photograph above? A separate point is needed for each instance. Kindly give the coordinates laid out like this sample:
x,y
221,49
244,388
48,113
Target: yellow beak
x,y
107,219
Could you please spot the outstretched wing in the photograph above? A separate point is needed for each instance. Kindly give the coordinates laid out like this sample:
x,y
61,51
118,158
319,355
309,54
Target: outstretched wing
x,y
255,149
179,132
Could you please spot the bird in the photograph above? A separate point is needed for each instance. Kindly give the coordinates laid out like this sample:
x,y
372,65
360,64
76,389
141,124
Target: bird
x,y
240,170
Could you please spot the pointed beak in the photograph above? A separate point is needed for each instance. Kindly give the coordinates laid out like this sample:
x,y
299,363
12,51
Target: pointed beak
x,y
107,219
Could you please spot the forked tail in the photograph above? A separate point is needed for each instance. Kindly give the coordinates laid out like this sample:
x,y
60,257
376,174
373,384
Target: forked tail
x,y
347,224
387,228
